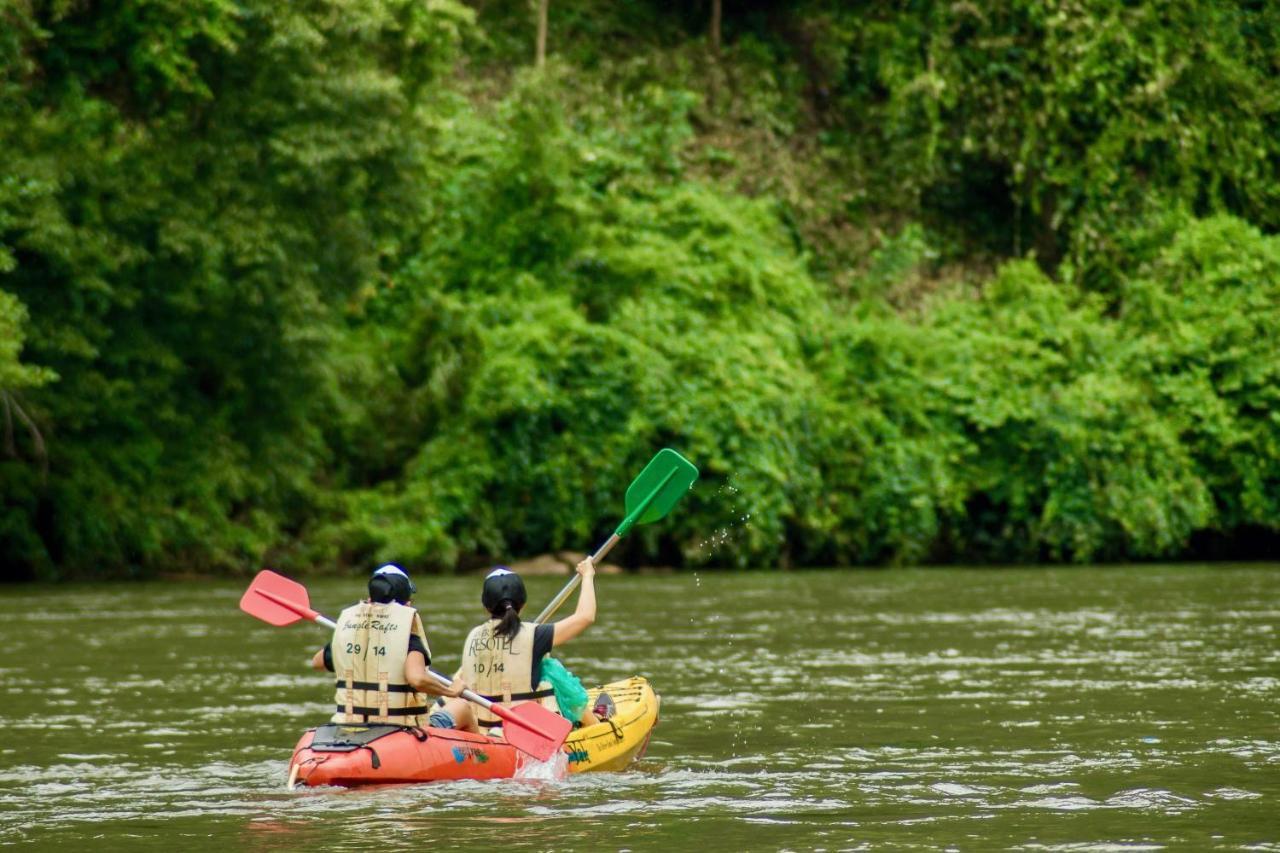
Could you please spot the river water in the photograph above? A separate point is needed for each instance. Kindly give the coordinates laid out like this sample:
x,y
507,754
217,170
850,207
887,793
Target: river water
x,y
1040,709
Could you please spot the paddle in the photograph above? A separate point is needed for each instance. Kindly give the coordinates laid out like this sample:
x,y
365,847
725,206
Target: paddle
x,y
533,729
651,495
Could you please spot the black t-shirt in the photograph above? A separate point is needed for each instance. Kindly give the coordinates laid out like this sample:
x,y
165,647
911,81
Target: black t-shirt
x,y
543,638
415,645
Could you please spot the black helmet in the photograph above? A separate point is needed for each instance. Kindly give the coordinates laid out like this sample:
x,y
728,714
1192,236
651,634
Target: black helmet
x,y
501,585
391,583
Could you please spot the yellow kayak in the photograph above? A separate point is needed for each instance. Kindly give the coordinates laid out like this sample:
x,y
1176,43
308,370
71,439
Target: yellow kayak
x,y
618,741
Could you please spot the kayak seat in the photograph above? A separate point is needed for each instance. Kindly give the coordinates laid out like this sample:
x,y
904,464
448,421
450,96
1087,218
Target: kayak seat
x,y
336,737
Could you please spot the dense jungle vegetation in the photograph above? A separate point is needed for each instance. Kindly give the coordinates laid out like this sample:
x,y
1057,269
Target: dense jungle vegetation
x,y
316,284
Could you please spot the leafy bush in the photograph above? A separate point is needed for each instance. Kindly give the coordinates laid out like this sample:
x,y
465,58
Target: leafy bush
x,y
1203,317
600,314
1069,456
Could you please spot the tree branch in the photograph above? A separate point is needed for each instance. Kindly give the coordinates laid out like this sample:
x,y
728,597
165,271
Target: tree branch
x,y
10,449
37,439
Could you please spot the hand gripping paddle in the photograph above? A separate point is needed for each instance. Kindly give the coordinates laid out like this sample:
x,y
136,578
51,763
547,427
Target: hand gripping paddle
x,y
651,495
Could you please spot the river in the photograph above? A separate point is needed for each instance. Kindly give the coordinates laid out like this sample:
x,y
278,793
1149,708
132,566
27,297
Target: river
x,y
1034,709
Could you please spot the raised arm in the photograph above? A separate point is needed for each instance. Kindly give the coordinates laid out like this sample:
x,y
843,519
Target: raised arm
x,y
582,618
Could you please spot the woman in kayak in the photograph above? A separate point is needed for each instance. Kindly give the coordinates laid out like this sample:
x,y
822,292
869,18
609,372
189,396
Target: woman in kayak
x,y
503,658
379,652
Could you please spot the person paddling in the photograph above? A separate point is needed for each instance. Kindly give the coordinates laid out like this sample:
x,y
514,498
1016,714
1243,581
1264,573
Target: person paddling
x,y
504,658
380,654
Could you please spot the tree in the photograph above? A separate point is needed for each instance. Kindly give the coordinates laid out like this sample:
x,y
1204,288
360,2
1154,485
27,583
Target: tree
x,y
714,29
205,186
540,51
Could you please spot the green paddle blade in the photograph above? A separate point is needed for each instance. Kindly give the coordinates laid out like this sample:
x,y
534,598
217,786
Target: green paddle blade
x,y
658,488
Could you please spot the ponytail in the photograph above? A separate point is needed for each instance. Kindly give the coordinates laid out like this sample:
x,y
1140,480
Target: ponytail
x,y
510,624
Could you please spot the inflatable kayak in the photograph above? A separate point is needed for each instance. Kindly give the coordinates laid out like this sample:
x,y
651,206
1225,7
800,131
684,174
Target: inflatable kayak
x,y
385,755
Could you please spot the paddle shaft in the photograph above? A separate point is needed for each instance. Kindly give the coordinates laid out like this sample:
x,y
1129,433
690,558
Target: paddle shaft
x,y
563,594
320,619
626,525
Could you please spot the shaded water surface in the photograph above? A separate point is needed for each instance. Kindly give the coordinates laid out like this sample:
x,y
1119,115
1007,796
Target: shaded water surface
x,y
1046,709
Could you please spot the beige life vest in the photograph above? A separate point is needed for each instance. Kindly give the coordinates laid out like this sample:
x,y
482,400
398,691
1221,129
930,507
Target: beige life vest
x,y
369,647
501,670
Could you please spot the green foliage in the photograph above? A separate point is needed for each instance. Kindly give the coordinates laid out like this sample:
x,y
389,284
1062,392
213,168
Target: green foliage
x,y
1069,456
887,470
1058,124
609,315
14,375
195,188
620,310
1204,316
287,283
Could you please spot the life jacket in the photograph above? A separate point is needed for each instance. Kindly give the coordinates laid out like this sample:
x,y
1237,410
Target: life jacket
x,y
369,647
501,670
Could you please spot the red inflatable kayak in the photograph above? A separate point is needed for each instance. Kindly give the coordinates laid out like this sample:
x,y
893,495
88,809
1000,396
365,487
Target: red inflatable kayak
x,y
388,755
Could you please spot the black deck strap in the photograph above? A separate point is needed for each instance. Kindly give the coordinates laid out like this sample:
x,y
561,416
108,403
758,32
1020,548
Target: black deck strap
x,y
523,697
373,685
374,712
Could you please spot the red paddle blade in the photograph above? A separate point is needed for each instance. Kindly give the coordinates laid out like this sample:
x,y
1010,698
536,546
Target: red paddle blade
x,y
276,600
534,729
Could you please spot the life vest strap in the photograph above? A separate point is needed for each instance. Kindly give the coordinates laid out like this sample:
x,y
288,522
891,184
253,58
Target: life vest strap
x,y
373,685
523,697
515,697
360,711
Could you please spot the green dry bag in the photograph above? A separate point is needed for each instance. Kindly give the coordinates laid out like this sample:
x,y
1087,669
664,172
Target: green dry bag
x,y
571,696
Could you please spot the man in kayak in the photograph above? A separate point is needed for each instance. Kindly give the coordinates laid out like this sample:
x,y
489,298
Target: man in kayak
x,y
380,654
504,658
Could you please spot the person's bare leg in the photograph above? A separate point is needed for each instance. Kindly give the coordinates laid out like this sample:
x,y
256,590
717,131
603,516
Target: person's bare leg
x,y
464,719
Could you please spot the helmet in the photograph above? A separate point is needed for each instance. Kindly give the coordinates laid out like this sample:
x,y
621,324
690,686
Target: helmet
x,y
391,583
501,585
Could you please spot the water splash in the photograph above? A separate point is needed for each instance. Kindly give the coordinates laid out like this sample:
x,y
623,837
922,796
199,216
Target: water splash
x,y
554,769
728,533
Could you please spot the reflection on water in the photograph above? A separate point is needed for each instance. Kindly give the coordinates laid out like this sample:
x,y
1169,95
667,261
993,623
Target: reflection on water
x,y
1063,709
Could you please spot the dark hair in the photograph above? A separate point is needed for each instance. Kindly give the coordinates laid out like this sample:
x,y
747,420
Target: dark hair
x,y
503,596
507,611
